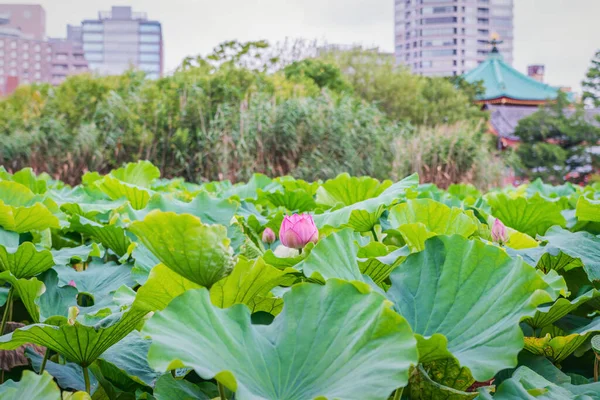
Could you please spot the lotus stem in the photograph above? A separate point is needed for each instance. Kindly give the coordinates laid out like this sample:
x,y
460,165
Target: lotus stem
x,y
86,378
45,360
7,308
374,234
221,391
398,393
596,365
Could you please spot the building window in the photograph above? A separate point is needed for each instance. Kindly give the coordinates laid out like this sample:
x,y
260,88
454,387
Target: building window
x,y
483,21
151,28
1,43
438,32
149,38
94,56
13,63
150,48
37,66
25,46
485,32
12,72
37,47
37,75
62,56
93,37
13,45
25,56
37,57
25,65
150,67
437,10
502,22
93,47
13,54
439,20
438,53
93,27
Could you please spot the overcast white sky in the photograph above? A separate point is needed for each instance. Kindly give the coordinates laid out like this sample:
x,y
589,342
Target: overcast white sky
x,y
562,34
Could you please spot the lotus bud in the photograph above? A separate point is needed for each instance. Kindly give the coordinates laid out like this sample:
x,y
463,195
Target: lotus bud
x,y
72,283
72,316
268,236
298,230
499,232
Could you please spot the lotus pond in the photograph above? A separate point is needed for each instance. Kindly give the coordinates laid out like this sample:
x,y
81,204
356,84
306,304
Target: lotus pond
x,y
130,286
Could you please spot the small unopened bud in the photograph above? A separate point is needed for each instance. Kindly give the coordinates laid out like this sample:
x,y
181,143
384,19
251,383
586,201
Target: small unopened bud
x,y
499,232
268,236
72,283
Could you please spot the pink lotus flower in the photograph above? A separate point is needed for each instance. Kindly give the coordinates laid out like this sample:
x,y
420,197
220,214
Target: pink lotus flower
x,y
499,232
298,230
268,236
72,283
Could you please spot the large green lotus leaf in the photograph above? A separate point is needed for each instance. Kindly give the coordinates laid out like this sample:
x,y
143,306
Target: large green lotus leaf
x,y
68,375
546,258
550,191
442,379
378,260
249,190
31,386
27,178
26,219
528,385
196,251
115,189
111,236
548,314
144,261
446,293
283,261
544,367
532,216
28,290
557,343
168,388
335,256
588,209
67,255
130,355
363,220
582,245
329,341
162,286
293,200
142,173
25,261
346,190
99,280
250,283
438,218
56,299
79,343
79,201
341,216
203,206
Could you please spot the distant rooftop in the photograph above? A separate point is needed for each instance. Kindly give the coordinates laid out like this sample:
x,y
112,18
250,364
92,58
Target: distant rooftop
x,y
123,13
504,83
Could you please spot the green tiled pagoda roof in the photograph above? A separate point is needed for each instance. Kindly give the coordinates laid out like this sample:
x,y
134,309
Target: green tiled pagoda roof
x,y
502,80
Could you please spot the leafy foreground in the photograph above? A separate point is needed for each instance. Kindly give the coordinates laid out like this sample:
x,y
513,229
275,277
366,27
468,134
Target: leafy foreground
x,y
129,286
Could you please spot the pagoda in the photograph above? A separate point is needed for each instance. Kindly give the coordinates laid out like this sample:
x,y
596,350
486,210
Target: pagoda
x,y
509,94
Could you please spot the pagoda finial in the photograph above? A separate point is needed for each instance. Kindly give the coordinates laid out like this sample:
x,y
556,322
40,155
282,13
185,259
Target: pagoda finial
x,y
494,42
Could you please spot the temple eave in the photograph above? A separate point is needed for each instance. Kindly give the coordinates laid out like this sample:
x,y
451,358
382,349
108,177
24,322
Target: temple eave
x,y
511,101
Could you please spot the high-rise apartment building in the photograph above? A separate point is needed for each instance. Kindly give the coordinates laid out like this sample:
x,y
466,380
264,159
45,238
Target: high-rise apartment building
x,y
27,56
450,37
121,39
